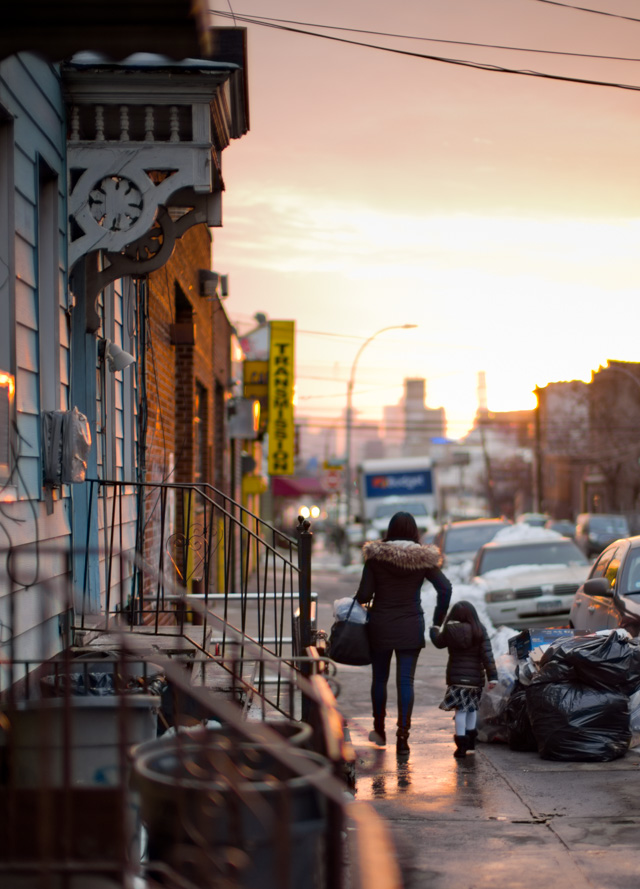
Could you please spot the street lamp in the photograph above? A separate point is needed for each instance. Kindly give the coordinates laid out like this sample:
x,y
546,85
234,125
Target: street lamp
x,y
349,418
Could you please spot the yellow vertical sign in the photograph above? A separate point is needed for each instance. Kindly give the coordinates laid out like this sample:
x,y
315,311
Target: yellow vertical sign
x,y
281,378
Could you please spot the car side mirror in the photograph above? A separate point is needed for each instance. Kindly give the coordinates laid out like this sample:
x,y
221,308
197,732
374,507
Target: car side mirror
x,y
598,586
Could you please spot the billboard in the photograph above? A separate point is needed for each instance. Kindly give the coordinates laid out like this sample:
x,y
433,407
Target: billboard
x,y
399,484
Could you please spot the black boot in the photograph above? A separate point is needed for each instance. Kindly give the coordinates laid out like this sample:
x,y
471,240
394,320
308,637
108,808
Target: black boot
x,y
402,742
461,746
471,736
378,736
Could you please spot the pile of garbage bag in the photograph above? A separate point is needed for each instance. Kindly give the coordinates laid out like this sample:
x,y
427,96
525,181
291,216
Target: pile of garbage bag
x,y
579,701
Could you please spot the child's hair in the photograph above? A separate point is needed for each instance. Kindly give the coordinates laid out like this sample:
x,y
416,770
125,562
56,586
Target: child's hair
x,y
465,613
403,527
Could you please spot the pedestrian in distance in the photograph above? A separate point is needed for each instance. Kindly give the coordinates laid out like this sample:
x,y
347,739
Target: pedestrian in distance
x,y
470,659
392,577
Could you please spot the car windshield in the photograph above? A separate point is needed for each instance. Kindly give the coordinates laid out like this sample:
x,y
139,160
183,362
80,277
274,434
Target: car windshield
x,y
609,524
470,538
389,509
535,519
562,552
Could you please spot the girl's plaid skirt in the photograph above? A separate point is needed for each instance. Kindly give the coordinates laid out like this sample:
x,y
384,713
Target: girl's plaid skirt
x,y
461,697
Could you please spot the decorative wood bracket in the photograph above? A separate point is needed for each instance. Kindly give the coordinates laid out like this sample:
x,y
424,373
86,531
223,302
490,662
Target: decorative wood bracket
x,y
150,252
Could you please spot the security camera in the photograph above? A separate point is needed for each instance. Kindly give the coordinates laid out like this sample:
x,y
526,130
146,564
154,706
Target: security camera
x,y
116,358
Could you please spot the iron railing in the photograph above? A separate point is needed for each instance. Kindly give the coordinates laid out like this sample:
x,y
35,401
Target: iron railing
x,y
165,546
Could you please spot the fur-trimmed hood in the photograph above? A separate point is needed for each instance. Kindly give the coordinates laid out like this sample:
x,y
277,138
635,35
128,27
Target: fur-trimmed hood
x,y
403,554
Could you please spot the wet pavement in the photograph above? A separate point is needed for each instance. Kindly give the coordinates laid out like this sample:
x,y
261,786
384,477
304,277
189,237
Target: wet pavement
x,y
498,818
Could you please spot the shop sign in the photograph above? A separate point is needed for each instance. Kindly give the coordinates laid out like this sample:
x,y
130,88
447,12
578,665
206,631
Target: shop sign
x,y
281,379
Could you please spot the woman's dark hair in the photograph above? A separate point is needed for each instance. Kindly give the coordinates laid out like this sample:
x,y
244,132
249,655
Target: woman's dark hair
x,y
465,613
403,527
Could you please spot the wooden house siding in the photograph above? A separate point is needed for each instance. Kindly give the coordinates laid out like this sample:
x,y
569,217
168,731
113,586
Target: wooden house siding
x,y
31,99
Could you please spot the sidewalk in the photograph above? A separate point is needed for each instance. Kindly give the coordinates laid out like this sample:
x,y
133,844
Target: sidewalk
x,y
496,820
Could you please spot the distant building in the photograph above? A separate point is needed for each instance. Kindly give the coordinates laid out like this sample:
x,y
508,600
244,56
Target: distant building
x,y
421,423
562,445
503,441
588,450
393,429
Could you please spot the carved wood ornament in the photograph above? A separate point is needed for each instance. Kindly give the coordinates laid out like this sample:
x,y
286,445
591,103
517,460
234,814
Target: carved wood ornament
x,y
143,164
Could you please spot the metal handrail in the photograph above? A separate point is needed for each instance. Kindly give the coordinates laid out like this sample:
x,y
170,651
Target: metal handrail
x,y
256,580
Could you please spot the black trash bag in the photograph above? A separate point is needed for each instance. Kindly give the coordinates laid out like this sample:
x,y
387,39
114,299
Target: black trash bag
x,y
519,732
601,662
574,723
78,684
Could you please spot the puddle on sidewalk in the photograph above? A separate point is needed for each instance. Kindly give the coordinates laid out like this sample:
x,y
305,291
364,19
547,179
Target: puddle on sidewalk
x,y
430,776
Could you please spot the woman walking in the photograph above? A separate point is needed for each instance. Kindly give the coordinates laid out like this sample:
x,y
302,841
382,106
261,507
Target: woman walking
x,y
393,573
470,658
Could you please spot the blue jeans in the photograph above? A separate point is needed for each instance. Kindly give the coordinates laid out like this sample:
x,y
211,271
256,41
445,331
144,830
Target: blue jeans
x,y
406,660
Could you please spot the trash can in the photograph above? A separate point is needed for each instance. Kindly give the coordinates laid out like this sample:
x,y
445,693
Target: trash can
x,y
216,809
92,733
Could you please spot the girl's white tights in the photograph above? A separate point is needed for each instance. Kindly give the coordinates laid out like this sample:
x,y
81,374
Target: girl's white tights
x,y
465,721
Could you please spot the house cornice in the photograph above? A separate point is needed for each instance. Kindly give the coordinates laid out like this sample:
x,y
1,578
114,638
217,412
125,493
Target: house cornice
x,y
144,145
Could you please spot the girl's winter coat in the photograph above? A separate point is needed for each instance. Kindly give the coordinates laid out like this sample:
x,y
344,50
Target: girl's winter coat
x,y
469,658
393,573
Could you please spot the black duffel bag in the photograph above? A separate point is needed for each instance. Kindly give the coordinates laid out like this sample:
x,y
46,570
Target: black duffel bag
x,y
349,642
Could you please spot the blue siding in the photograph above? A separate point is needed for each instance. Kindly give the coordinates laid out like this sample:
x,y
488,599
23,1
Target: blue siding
x,y
25,218
30,92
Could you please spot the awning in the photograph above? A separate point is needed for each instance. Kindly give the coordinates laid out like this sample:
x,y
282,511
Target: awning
x,y
57,29
282,486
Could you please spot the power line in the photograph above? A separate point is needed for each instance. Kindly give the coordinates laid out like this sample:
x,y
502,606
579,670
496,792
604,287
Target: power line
x,y
257,19
613,15
463,63
344,336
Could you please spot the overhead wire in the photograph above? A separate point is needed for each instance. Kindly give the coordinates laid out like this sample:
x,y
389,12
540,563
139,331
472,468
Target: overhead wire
x,y
257,19
463,63
614,15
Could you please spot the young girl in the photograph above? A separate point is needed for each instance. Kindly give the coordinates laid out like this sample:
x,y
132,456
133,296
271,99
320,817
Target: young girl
x,y
470,658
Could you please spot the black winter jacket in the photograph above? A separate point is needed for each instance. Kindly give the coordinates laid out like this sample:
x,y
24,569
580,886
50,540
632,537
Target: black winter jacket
x,y
469,659
392,576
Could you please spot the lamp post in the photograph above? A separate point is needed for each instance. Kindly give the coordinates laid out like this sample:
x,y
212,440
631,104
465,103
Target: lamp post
x,y
349,418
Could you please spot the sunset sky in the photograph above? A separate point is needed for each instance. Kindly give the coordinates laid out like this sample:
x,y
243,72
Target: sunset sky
x,y
499,212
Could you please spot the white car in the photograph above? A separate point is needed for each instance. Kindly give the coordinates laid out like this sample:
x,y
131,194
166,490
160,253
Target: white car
x,y
379,523
527,582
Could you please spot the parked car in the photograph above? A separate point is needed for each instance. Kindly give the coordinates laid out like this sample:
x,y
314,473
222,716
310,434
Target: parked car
x,y
529,581
561,526
535,519
595,531
611,594
460,541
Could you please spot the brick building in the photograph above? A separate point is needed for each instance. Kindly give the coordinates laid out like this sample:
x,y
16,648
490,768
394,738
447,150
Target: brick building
x,y
188,370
